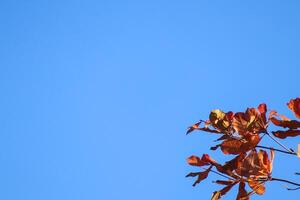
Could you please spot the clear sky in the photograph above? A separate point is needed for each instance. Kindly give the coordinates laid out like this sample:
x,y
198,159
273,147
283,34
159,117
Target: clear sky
x,y
96,95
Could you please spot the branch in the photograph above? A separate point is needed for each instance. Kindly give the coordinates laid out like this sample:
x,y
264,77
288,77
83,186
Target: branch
x,y
297,188
271,148
286,181
289,150
225,176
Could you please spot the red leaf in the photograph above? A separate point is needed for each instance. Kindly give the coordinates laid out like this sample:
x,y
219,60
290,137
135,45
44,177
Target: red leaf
x,y
215,147
294,105
226,189
242,195
234,163
223,137
207,158
231,146
196,161
234,146
252,121
193,127
201,175
221,182
218,194
292,124
288,133
262,108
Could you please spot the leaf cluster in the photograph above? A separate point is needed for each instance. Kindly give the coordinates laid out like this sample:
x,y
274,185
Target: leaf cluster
x,y
240,134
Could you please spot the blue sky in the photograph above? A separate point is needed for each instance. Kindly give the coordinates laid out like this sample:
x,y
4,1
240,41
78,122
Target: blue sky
x,y
97,95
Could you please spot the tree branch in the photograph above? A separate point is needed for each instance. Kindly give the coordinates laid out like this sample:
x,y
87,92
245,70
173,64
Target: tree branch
x,y
225,176
286,181
271,148
289,150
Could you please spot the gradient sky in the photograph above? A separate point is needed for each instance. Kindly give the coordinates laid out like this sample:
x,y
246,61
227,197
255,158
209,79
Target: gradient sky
x,y
96,96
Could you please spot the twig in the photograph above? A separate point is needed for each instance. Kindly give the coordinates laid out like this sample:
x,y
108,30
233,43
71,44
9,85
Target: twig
x,y
286,181
289,150
297,188
271,148
221,174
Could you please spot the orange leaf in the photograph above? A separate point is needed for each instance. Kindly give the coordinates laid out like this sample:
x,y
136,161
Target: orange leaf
x,y
193,127
256,186
294,105
226,189
270,166
256,164
288,133
216,195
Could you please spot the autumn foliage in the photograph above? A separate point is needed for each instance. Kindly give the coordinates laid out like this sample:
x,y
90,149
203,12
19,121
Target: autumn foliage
x,y
240,134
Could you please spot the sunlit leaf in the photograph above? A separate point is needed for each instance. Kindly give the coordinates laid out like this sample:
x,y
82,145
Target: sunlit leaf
x,y
221,121
216,195
193,127
272,155
251,121
256,164
256,186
